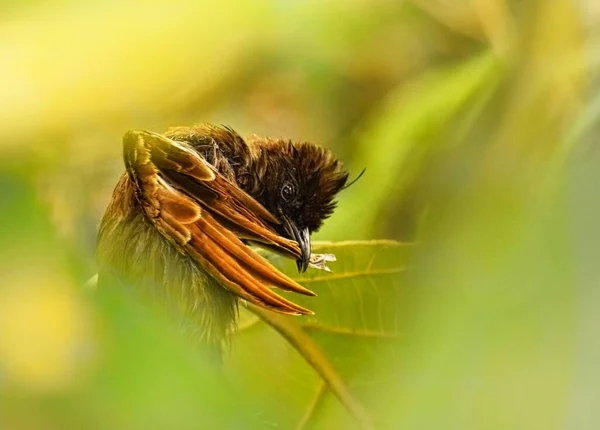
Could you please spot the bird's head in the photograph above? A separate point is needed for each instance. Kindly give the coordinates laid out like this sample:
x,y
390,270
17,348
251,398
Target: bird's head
x,y
298,184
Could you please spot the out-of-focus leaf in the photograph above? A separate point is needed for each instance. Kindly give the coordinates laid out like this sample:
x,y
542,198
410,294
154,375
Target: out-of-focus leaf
x,y
46,329
457,15
406,131
479,19
493,341
550,76
493,344
583,177
322,371
78,65
68,361
497,24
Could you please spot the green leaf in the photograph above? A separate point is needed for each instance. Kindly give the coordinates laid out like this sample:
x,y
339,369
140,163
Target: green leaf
x,y
404,134
318,371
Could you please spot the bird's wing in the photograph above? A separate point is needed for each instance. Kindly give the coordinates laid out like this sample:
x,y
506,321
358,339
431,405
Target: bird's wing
x,y
204,215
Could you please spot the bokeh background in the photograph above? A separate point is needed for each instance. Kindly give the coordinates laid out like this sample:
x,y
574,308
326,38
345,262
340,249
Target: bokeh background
x,y
476,121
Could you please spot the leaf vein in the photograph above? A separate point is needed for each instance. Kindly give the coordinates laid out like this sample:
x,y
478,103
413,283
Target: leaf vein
x,y
347,275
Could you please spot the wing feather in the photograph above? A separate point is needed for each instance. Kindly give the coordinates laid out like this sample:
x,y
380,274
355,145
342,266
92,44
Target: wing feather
x,y
205,216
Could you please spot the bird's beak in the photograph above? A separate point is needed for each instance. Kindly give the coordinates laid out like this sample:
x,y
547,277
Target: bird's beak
x,y
303,239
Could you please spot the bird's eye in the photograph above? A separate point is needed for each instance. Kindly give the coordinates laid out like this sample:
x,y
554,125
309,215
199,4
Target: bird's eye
x,y
287,191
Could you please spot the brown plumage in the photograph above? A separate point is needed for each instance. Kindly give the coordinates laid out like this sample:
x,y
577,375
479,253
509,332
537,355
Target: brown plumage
x,y
190,201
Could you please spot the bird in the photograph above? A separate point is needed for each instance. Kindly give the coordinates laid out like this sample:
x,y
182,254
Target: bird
x,y
184,217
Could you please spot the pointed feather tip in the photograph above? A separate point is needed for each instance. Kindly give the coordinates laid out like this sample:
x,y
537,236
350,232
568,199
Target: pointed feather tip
x,y
297,309
301,290
299,313
289,309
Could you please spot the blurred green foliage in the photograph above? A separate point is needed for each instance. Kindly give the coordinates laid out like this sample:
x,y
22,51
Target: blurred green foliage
x,y
477,122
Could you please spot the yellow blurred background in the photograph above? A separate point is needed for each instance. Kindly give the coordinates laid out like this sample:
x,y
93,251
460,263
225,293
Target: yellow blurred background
x,y
476,121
